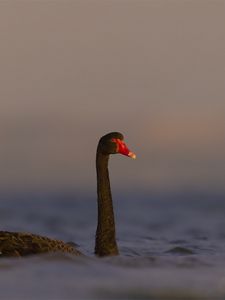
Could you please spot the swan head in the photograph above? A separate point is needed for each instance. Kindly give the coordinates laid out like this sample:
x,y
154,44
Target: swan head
x,y
113,143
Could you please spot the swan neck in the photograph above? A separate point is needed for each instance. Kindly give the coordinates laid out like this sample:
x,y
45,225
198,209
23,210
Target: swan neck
x,y
105,233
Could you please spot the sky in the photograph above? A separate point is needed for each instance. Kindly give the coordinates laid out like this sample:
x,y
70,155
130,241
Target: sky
x,y
71,71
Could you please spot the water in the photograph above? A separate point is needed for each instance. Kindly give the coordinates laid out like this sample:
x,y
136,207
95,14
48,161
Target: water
x,y
172,247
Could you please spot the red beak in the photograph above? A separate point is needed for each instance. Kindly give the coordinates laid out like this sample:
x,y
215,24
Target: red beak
x,y
123,149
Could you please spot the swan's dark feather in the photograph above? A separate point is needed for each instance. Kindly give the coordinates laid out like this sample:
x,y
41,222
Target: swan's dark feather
x,y
22,244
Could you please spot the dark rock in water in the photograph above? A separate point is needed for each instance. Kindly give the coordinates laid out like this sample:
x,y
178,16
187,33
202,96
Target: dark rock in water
x,y
180,251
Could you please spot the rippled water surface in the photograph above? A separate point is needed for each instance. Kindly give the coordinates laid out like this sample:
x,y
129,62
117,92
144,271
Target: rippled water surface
x,y
172,247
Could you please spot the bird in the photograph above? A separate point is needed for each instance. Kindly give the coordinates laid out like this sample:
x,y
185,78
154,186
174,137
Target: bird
x,y
17,244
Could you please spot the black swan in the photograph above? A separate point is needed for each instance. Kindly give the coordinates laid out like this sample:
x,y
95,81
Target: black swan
x,y
21,244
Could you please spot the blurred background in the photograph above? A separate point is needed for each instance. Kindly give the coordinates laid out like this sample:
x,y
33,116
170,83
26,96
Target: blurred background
x,y
74,70
71,71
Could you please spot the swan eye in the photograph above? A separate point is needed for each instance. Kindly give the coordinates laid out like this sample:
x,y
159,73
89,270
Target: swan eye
x,y
120,145
116,141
